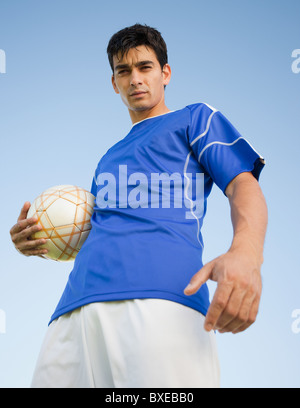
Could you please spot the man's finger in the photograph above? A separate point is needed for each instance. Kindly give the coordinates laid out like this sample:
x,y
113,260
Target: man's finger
x,y
218,305
28,232
199,279
31,245
24,211
249,308
235,313
35,252
237,308
251,317
21,225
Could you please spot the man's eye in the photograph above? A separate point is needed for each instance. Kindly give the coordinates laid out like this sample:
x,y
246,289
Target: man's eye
x,y
123,71
146,67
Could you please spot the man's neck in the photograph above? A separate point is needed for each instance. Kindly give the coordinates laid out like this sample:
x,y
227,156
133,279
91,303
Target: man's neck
x,y
138,116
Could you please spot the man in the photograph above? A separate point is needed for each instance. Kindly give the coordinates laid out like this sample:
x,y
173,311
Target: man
x,y
133,311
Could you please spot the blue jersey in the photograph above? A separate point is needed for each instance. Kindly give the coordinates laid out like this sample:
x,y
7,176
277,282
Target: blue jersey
x,y
151,193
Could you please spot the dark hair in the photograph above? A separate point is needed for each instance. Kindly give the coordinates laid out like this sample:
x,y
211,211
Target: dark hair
x,y
134,36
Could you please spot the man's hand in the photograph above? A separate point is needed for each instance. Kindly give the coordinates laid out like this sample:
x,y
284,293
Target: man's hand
x,y
21,234
236,300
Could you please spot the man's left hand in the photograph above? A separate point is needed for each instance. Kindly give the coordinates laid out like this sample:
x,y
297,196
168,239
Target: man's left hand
x,y
235,304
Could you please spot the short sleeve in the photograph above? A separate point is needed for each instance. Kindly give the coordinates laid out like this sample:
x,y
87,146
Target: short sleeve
x,y
219,147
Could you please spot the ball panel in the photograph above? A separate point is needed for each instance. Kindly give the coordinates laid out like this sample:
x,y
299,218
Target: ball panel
x,y
61,212
45,222
83,217
90,202
82,240
45,200
75,195
41,234
57,189
31,211
67,258
64,213
53,252
67,236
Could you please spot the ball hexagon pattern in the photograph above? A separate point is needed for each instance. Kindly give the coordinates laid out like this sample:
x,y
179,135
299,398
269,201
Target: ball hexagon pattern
x,y
64,212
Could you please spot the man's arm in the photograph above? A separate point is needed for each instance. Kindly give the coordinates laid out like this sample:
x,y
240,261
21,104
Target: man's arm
x,y
236,301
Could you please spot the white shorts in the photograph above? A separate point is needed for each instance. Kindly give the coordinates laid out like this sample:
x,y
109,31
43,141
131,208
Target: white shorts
x,y
141,343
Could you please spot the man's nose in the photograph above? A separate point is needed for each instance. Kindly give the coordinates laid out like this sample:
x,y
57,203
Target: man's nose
x,y
136,78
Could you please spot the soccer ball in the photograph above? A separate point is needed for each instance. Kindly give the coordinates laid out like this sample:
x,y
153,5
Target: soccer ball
x,y
64,212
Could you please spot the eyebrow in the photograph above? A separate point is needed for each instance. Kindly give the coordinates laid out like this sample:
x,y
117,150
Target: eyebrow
x,y
138,64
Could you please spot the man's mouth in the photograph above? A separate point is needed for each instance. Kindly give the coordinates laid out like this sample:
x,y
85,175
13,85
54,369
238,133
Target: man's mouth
x,y
138,93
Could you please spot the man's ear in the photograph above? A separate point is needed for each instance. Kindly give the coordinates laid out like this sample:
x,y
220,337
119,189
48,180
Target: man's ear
x,y
167,73
114,84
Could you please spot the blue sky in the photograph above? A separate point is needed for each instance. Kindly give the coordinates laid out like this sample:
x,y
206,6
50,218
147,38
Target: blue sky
x,y
59,115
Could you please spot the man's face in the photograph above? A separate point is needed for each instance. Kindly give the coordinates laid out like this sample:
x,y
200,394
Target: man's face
x,y
139,79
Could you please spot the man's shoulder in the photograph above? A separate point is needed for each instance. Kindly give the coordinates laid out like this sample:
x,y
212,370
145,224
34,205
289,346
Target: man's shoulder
x,y
201,106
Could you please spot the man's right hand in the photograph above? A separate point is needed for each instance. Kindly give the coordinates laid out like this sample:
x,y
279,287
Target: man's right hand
x,y
23,230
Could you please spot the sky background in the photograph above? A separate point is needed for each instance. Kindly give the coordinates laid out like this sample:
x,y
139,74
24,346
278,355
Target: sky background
x,y
59,115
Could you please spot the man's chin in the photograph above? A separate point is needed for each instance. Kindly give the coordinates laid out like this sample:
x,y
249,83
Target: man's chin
x,y
139,107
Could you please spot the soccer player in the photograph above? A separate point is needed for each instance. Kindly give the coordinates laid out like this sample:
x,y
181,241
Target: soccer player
x,y
135,311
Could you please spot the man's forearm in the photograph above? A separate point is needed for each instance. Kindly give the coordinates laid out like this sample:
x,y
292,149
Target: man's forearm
x,y
249,215
235,304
